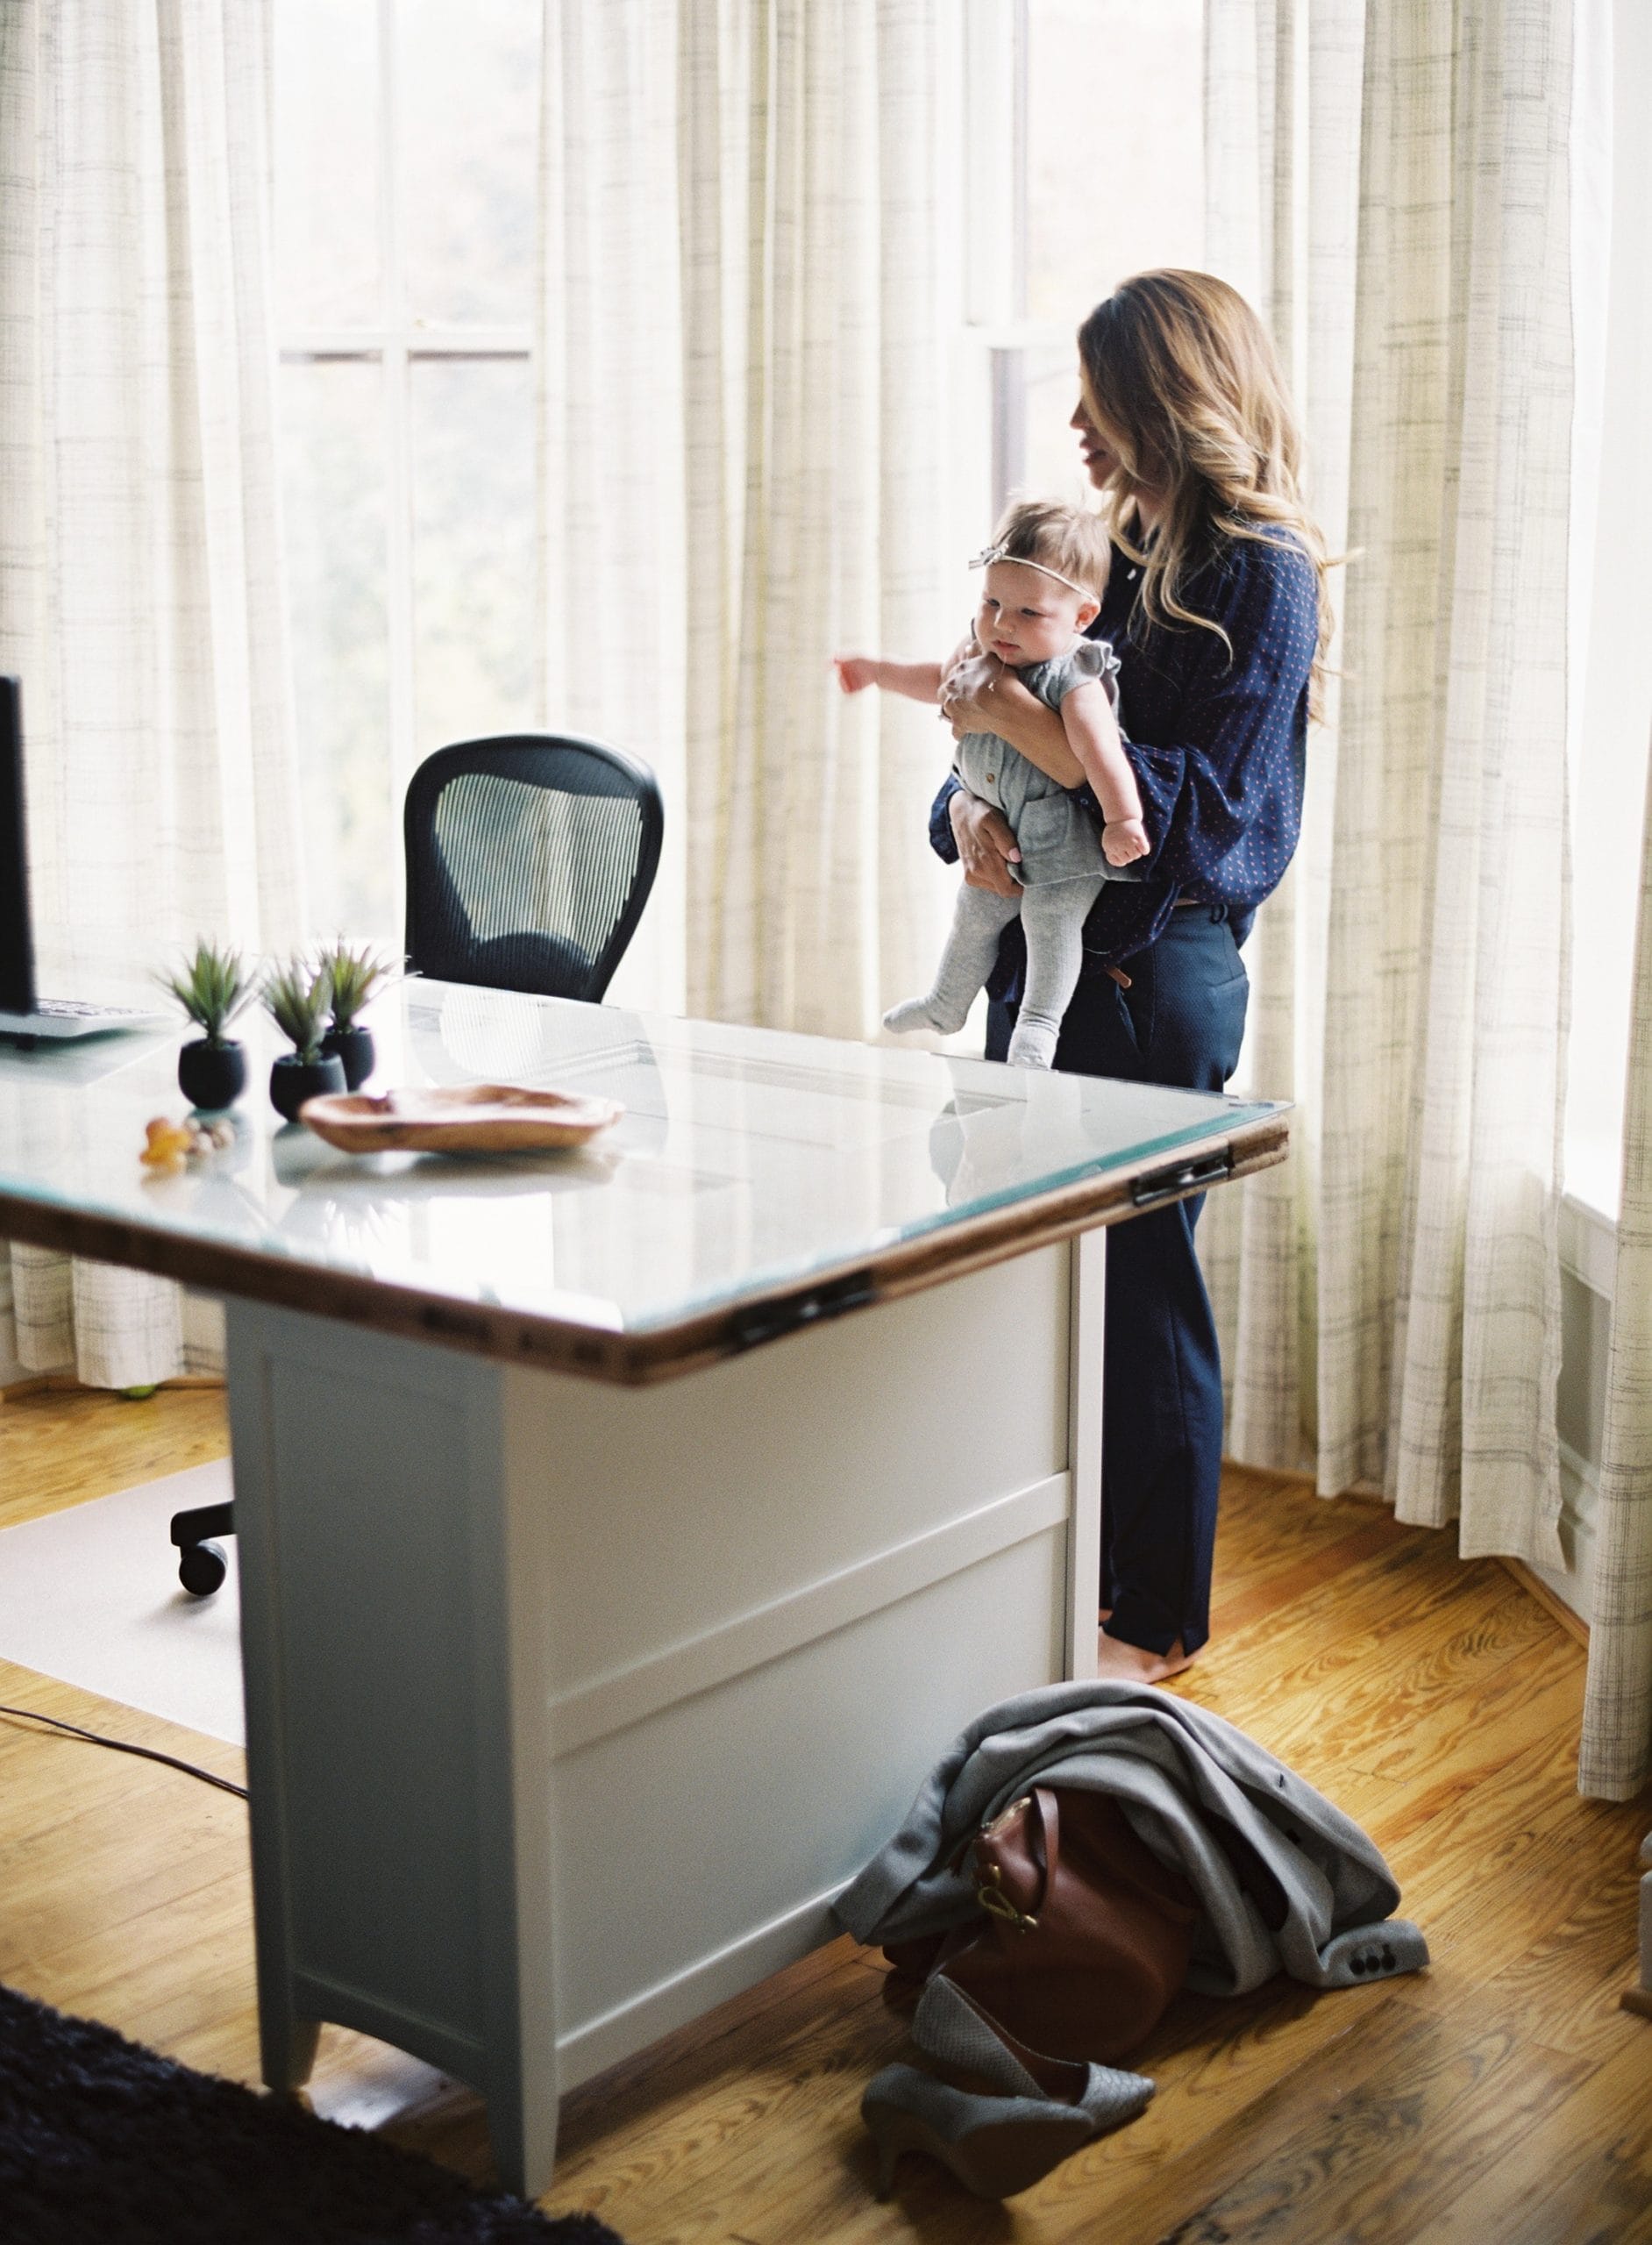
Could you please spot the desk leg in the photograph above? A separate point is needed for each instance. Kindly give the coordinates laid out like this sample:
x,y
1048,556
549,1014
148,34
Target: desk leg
x,y
1087,1332
398,1716
287,2045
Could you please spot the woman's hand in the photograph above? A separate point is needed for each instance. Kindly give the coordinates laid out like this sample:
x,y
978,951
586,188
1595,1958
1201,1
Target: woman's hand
x,y
977,691
982,695
987,846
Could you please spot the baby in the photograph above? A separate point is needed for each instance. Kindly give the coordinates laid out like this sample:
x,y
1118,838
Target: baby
x,y
1045,573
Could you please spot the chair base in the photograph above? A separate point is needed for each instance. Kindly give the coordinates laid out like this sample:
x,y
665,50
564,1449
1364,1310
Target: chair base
x,y
202,1565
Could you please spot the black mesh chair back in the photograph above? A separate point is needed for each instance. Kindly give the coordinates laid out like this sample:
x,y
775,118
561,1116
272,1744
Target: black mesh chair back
x,y
529,858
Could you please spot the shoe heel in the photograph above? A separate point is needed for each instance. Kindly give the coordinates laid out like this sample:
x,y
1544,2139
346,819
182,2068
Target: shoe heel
x,y
893,2132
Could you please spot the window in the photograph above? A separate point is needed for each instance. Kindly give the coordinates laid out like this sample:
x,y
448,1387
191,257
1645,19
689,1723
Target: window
x,y
406,147
1085,162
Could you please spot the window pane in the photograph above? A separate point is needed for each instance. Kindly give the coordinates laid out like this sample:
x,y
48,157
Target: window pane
x,y
473,547
326,163
1054,464
469,99
332,473
1115,176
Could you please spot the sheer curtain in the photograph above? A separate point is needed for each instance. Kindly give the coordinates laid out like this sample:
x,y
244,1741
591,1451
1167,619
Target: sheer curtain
x,y
1284,98
740,471
1435,862
139,587
1616,1759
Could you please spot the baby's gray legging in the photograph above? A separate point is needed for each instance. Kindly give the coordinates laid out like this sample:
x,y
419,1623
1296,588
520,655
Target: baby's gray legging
x,y
1052,917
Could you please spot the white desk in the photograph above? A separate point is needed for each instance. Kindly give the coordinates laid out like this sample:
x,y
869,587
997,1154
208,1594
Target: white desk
x,y
576,1689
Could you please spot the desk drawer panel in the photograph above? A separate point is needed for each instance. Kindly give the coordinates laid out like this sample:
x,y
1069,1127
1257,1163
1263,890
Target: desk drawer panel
x,y
664,1513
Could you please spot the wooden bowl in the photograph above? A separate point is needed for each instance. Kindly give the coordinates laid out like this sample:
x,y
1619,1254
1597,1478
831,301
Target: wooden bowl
x,y
470,1119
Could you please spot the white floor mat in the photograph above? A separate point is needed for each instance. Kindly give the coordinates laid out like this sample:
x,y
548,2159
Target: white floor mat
x,y
91,1596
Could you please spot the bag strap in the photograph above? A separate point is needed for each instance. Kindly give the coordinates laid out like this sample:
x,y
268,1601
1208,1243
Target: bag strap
x,y
1042,1817
1049,1832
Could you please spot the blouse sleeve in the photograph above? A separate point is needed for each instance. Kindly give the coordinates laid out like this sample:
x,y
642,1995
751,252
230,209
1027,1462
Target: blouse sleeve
x,y
1218,787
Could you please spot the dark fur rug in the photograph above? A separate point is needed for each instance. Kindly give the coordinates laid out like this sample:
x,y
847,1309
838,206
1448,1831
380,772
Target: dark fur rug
x,y
104,2143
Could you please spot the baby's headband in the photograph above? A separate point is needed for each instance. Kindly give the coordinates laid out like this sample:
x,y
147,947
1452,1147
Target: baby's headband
x,y
986,559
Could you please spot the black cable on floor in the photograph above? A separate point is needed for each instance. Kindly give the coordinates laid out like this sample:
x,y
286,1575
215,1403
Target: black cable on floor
x,y
125,1746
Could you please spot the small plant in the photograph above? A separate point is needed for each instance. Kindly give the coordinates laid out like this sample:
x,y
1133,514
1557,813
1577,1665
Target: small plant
x,y
297,999
213,985
356,974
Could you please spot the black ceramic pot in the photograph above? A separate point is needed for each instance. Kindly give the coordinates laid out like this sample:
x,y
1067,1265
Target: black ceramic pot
x,y
212,1077
354,1047
292,1081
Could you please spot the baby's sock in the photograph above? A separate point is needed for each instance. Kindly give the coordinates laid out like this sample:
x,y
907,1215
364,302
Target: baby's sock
x,y
924,1013
1032,1043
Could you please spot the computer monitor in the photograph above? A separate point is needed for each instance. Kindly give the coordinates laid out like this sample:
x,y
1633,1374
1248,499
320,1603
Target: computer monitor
x,y
24,1016
17,940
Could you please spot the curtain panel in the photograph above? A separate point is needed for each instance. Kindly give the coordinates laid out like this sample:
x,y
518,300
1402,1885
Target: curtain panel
x,y
140,563
1616,1759
1390,180
1284,92
742,356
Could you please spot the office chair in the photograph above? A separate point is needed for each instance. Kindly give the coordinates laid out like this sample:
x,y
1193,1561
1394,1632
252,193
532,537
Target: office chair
x,y
528,861
529,858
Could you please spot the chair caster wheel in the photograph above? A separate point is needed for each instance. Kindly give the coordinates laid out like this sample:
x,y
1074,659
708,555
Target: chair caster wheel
x,y
201,1568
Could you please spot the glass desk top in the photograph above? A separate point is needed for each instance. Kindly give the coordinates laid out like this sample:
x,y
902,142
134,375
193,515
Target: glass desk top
x,y
753,1172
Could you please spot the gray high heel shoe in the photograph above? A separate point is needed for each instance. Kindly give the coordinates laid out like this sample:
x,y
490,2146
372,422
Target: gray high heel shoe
x,y
996,2145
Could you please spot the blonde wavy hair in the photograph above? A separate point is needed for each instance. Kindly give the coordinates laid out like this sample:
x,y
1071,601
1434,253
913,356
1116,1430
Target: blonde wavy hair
x,y
1181,383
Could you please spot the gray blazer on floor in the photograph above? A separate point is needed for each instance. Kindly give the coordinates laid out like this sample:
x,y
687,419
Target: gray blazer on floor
x,y
1287,1882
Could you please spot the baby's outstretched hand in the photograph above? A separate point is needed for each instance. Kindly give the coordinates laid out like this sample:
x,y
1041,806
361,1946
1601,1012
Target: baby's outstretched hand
x,y
1123,840
855,672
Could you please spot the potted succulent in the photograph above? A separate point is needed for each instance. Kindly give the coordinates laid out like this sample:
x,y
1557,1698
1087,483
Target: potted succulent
x,y
213,985
357,975
296,997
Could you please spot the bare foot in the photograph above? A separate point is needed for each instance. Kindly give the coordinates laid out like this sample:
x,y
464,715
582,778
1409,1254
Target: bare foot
x,y
1135,1663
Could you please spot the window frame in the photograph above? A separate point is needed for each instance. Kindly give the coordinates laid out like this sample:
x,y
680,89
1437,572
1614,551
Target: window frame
x,y
996,207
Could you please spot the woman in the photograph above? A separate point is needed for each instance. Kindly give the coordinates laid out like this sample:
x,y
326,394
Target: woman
x,y
1218,613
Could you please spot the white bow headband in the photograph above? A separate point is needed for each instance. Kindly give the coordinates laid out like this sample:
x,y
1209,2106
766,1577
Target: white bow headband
x,y
991,553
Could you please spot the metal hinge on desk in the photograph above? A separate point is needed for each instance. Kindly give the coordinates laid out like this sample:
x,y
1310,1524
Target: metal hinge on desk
x,y
1180,1178
767,1321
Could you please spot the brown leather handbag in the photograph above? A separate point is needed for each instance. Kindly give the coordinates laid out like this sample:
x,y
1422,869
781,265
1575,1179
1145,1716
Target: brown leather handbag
x,y
1083,1935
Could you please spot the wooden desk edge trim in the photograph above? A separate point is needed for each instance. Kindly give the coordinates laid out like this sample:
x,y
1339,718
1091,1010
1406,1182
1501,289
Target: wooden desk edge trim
x,y
633,1360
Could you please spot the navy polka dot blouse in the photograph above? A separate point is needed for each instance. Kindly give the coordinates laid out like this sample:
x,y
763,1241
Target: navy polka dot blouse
x,y
1218,742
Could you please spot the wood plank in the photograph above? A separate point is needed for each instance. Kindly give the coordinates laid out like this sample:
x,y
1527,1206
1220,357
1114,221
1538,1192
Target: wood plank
x,y
1533,1583
1565,1982
1365,1643
63,1447
1581,2168
1404,2118
1499,1870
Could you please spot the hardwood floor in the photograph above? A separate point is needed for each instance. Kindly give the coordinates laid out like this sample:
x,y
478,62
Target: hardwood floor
x,y
1503,2096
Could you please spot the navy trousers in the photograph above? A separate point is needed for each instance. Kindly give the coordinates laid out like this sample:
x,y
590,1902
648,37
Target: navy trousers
x,y
1180,1021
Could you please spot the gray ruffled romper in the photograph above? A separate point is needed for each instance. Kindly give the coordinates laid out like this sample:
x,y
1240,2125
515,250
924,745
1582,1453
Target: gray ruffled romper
x,y
1061,869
